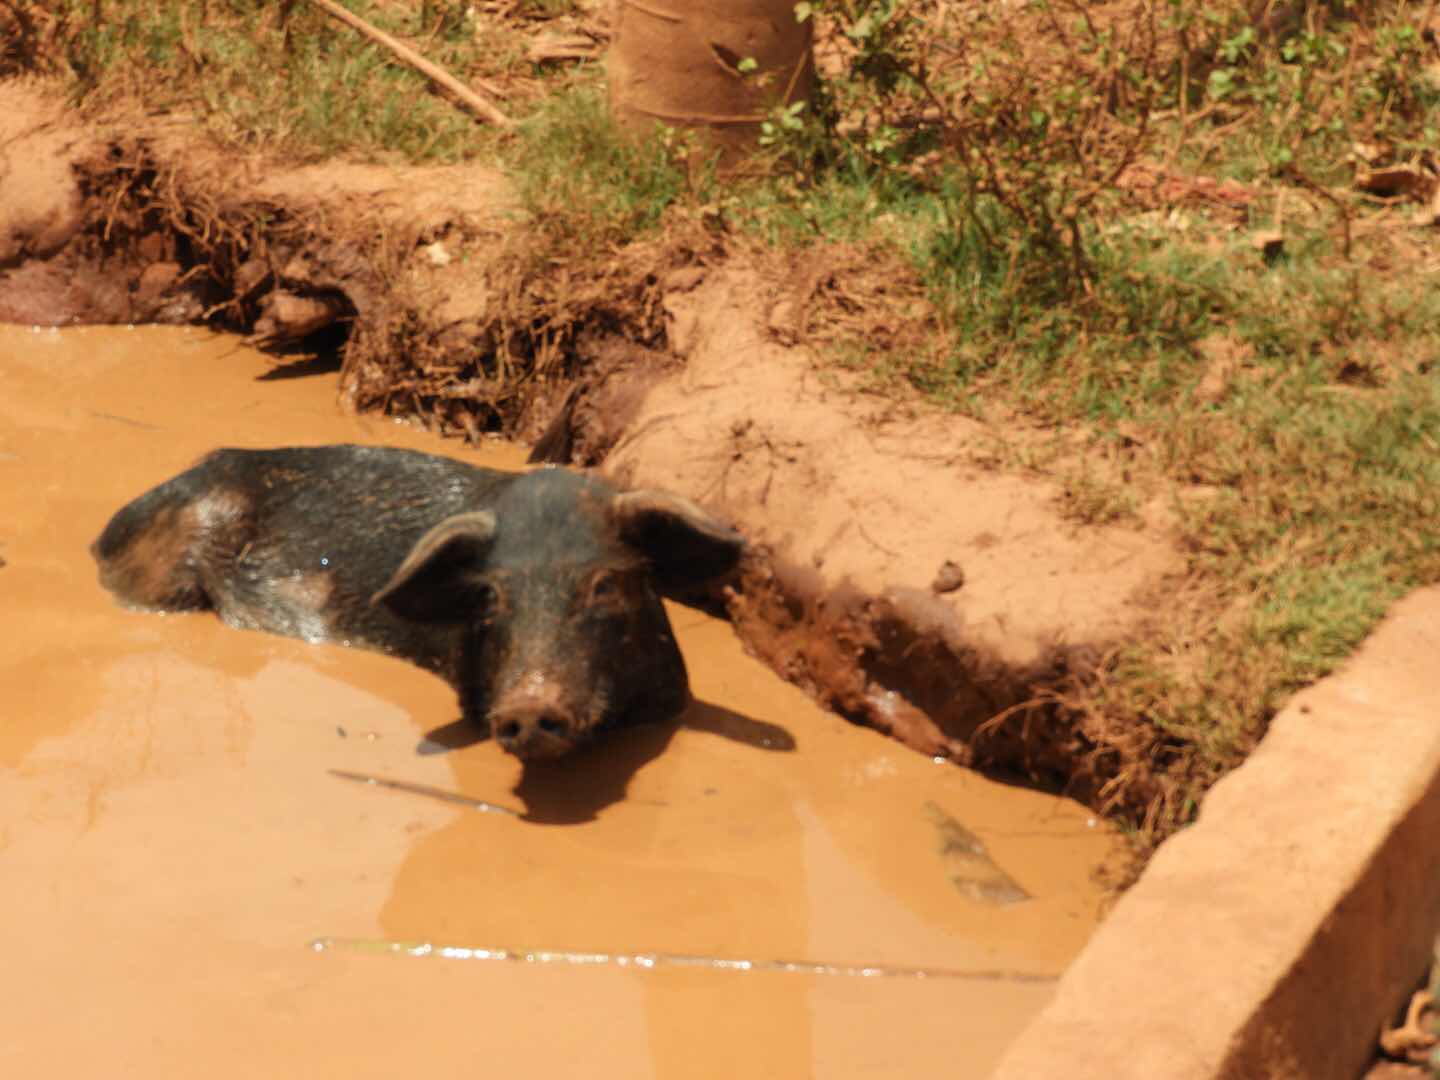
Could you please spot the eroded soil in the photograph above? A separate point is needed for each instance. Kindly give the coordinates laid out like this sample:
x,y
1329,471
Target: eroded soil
x,y
173,838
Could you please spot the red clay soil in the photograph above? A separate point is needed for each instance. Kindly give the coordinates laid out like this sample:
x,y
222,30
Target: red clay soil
x,y
43,209
896,574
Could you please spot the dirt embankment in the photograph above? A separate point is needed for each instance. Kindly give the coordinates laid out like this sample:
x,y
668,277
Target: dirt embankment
x,y
897,574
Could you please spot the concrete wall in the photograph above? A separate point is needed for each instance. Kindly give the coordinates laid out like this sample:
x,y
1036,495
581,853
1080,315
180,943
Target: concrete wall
x,y
1275,936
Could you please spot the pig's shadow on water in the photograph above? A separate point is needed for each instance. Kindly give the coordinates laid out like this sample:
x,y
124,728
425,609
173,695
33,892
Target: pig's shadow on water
x,y
717,720
575,788
455,735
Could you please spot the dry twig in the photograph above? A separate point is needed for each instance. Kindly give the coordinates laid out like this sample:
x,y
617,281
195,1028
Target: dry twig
x,y
468,97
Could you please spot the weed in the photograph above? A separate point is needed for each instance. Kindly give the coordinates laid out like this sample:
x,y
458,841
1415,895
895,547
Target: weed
x,y
589,182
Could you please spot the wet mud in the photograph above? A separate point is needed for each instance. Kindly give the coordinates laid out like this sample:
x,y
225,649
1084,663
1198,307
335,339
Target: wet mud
x,y
181,819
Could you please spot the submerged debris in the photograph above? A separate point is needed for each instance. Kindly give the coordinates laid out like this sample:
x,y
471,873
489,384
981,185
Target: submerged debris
x,y
426,790
950,577
969,865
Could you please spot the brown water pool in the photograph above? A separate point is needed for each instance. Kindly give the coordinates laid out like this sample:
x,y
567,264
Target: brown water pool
x,y
173,840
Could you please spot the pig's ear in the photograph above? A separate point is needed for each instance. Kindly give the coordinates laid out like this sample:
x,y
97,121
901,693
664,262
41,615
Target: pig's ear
x,y
685,545
437,582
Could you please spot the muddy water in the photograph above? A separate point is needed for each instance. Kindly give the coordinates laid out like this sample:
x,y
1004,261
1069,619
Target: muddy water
x,y
173,838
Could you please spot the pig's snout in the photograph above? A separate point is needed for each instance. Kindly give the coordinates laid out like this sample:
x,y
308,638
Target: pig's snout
x,y
532,721
532,731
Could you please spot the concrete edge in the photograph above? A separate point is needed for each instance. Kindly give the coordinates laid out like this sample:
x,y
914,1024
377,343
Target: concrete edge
x,y
1275,936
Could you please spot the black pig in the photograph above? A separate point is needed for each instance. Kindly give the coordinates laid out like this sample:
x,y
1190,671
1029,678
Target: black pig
x,y
535,595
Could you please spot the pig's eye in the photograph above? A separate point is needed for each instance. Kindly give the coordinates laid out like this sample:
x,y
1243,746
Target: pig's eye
x,y
606,587
486,601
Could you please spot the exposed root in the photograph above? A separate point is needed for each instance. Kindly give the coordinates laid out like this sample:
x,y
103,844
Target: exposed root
x,y
896,664
1413,1040
445,316
539,327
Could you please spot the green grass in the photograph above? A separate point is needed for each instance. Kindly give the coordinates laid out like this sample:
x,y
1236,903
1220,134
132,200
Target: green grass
x,y
306,86
588,182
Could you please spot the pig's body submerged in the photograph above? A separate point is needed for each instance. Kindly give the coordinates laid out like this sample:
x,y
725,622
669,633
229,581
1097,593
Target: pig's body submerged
x,y
534,594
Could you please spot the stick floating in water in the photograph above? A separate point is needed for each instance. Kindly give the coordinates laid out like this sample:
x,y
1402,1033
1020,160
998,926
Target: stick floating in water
x,y
425,789
650,961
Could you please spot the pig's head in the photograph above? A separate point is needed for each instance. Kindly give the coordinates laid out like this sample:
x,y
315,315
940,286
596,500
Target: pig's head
x,y
554,595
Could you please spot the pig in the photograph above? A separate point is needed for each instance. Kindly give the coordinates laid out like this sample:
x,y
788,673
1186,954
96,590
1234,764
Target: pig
x,y
535,595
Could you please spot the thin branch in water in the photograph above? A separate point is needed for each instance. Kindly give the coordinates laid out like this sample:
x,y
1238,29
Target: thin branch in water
x,y
424,789
651,961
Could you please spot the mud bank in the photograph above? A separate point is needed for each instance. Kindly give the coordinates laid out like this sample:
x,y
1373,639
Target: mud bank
x,y
902,582
899,577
